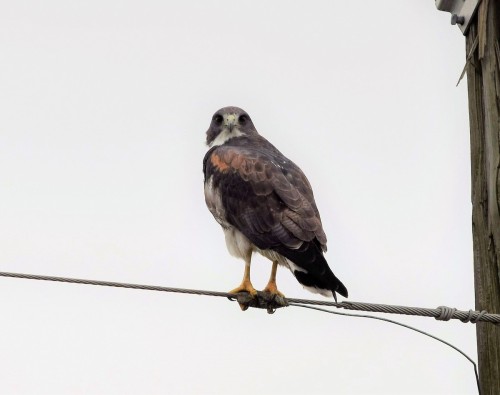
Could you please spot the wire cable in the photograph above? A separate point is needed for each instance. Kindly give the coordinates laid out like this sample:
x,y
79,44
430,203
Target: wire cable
x,y
441,313
400,324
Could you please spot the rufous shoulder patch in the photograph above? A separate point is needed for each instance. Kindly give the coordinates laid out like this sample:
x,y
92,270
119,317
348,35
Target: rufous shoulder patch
x,y
218,162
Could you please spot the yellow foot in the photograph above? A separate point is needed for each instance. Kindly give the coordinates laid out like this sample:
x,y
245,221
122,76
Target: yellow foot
x,y
245,286
273,290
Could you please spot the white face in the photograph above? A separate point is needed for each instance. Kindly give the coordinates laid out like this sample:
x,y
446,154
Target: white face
x,y
229,130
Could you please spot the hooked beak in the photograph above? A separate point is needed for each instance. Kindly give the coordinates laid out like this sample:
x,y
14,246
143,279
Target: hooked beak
x,y
230,121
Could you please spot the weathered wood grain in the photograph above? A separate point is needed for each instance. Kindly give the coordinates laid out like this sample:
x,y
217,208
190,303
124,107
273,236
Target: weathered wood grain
x,y
483,76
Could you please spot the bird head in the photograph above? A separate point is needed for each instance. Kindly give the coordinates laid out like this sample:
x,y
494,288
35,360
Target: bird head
x,y
228,123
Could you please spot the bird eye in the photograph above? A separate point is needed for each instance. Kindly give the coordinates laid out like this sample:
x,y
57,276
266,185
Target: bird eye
x,y
217,118
243,119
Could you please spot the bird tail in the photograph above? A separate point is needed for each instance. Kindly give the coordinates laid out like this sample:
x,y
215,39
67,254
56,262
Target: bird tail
x,y
327,284
310,268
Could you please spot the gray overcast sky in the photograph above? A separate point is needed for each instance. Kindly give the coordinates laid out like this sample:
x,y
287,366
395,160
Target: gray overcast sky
x,y
105,105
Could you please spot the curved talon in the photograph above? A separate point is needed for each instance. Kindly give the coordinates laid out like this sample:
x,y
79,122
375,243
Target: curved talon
x,y
245,286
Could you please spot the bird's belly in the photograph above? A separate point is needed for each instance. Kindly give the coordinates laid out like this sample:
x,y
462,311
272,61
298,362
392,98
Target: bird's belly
x,y
274,256
237,243
239,246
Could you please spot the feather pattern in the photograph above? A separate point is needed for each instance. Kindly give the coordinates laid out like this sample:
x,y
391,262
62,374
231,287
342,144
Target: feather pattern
x,y
257,190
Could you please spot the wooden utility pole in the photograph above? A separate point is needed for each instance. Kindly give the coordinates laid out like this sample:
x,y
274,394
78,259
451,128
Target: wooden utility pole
x,y
483,77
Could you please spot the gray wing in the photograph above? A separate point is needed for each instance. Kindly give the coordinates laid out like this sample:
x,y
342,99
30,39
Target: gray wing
x,y
266,196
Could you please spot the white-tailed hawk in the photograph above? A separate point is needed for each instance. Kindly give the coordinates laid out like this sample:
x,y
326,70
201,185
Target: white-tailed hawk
x,y
264,203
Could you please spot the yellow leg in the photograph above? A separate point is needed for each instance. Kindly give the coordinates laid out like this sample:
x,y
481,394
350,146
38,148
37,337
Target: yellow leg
x,y
246,284
271,286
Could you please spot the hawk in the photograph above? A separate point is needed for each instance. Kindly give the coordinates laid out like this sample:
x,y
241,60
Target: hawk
x,y
265,204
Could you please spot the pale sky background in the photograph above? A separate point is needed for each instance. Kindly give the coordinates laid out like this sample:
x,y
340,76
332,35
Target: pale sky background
x,y
104,108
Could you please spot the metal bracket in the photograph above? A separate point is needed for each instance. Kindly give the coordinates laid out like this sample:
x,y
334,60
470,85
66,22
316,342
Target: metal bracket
x,y
462,11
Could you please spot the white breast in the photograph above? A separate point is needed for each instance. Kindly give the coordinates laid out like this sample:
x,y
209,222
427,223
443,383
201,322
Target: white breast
x,y
237,243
